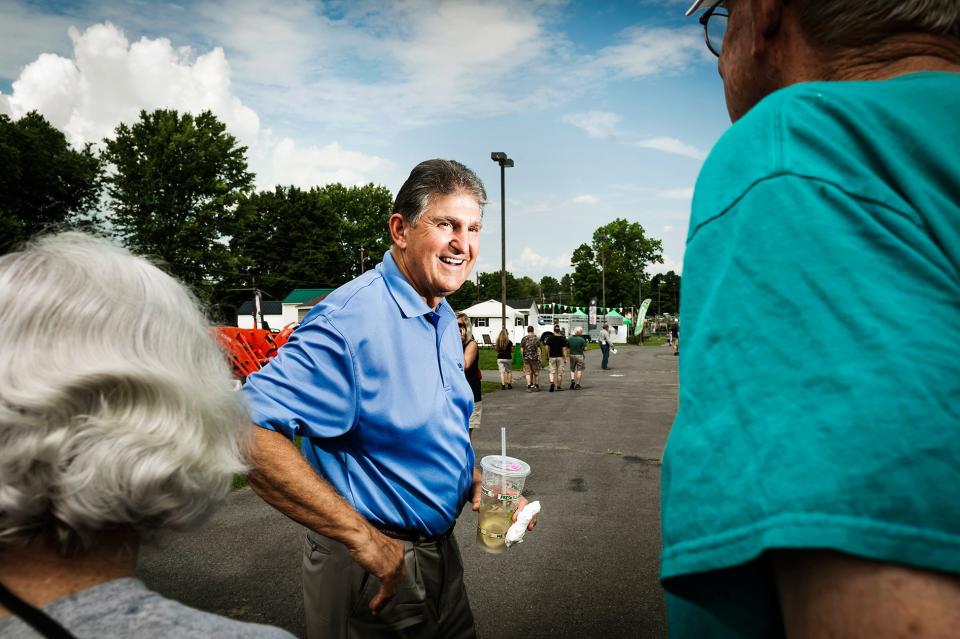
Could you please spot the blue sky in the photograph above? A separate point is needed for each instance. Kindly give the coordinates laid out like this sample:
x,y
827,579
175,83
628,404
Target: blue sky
x,y
607,108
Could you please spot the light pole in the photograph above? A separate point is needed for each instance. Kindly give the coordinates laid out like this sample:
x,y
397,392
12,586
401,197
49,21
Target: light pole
x,y
501,158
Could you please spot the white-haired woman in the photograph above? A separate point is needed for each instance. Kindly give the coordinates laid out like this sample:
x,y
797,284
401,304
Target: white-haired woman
x,y
117,420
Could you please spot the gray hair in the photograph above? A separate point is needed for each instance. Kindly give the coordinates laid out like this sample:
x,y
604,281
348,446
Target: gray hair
x,y
854,23
116,405
432,178
578,331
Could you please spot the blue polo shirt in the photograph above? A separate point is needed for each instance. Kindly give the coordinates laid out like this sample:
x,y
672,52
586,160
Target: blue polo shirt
x,y
373,382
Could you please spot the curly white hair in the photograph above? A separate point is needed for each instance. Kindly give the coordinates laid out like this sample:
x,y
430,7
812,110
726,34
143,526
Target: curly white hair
x,y
116,406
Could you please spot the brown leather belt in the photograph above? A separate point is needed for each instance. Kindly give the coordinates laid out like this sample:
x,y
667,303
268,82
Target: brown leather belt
x,y
407,534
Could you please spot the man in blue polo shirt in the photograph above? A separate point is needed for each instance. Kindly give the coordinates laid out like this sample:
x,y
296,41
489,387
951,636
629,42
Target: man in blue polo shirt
x,y
809,483
373,382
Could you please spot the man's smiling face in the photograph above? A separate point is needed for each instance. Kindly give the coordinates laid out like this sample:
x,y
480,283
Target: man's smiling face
x,y
437,254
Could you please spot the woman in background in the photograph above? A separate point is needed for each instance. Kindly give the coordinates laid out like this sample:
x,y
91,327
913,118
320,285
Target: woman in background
x,y
505,359
471,367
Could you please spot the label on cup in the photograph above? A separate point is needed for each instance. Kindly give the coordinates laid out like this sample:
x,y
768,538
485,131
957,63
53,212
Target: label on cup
x,y
489,493
487,533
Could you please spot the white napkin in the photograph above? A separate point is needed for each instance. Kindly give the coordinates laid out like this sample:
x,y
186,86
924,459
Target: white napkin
x,y
515,533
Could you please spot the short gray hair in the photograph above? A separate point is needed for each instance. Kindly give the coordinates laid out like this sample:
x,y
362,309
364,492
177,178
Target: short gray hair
x,y
431,178
116,405
578,331
853,23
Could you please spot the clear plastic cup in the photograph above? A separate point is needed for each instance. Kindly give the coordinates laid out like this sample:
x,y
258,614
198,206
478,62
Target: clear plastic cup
x,y
502,483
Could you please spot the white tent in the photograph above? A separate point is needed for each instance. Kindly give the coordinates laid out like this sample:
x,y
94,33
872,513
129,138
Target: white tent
x,y
486,321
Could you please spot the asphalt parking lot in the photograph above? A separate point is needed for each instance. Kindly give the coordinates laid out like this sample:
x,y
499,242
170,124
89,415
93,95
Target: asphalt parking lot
x,y
589,569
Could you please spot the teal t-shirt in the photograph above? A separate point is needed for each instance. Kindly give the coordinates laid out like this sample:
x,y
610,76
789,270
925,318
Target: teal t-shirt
x,y
820,374
576,344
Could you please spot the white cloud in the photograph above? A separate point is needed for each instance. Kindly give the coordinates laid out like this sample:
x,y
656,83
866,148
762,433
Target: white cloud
x,y
667,228
598,124
306,166
586,199
531,261
109,80
646,52
672,145
676,194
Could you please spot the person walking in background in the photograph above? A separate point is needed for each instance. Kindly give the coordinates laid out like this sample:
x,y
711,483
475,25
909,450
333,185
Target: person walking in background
x,y
471,368
604,340
118,420
675,337
505,359
530,352
557,353
809,478
576,345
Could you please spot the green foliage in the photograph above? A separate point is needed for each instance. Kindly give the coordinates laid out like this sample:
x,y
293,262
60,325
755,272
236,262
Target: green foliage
x,y
665,293
44,184
174,190
489,387
490,286
619,254
290,238
465,297
488,361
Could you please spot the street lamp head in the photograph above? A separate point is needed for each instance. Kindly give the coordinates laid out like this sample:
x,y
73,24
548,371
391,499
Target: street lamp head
x,y
501,158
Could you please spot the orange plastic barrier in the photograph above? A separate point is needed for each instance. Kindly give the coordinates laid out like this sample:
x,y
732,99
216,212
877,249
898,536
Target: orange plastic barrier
x,y
249,349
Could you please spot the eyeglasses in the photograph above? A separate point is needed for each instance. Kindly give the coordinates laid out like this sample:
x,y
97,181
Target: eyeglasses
x,y
714,29
461,325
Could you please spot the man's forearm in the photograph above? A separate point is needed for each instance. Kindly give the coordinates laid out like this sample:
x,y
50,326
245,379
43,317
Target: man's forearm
x,y
285,480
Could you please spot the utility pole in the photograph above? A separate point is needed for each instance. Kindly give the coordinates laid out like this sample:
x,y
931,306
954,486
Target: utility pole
x,y
256,304
501,158
603,271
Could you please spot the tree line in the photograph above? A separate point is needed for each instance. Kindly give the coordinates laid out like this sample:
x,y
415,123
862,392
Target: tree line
x,y
177,187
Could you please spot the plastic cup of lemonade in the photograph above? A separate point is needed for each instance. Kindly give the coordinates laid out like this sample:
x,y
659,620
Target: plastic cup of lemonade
x,y
503,479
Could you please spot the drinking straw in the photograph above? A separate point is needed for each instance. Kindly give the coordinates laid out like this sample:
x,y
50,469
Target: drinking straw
x,y
503,457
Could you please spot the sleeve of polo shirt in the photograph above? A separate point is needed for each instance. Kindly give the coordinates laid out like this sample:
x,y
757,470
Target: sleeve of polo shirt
x,y
309,388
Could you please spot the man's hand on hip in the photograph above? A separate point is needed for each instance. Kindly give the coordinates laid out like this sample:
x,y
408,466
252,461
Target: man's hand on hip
x,y
382,557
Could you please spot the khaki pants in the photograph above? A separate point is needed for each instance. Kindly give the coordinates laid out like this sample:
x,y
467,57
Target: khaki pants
x,y
556,368
430,604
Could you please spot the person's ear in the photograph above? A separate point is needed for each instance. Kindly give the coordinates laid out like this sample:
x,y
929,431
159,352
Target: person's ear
x,y
398,230
767,16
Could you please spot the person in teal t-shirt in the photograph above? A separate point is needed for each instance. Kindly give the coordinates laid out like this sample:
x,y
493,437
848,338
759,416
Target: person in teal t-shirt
x,y
577,344
810,479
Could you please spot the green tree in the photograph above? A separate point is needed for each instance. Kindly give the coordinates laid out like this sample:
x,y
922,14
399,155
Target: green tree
x,y
44,184
174,188
665,293
523,287
363,213
566,290
465,297
613,262
550,288
290,238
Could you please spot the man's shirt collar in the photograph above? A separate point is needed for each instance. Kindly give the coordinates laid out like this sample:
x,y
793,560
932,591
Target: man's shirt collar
x,y
410,302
